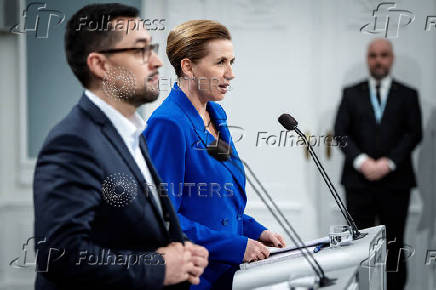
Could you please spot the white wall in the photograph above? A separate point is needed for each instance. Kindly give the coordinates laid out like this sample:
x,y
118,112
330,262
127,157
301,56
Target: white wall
x,y
318,46
16,211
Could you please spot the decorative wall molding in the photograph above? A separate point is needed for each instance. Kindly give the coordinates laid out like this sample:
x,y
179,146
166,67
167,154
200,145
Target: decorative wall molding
x,y
26,163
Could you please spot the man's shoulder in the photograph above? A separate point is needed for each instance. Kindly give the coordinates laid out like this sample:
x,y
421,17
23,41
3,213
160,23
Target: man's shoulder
x,y
403,87
355,90
76,124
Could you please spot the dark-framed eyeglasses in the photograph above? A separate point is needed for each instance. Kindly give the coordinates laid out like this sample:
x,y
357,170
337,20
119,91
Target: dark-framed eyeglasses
x,y
144,51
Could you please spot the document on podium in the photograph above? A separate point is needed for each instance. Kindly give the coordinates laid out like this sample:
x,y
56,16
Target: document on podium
x,y
323,240
286,253
276,257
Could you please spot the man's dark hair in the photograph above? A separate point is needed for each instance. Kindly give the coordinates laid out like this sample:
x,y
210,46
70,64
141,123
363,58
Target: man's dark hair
x,y
90,29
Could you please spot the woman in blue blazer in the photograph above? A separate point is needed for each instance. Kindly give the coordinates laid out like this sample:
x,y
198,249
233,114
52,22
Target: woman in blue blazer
x,y
208,195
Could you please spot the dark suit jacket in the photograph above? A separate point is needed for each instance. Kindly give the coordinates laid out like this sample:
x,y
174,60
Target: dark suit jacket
x,y
93,210
395,137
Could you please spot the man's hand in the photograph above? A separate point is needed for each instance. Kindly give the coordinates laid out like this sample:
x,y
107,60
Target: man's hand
x,y
375,170
183,263
255,251
383,166
270,239
200,259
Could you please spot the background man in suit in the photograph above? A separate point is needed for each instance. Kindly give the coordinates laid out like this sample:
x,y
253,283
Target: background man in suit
x,y
382,120
101,219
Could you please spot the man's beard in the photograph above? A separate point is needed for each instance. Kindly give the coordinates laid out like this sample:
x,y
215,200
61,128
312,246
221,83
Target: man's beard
x,y
143,96
120,84
377,74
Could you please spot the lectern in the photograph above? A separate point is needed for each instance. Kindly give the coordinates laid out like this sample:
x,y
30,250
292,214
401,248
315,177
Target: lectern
x,y
359,265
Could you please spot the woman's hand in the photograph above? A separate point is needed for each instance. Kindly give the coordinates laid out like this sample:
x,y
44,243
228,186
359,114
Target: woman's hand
x,y
255,251
271,239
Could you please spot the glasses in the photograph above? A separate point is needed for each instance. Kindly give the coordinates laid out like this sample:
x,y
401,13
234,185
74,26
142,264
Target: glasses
x,y
144,51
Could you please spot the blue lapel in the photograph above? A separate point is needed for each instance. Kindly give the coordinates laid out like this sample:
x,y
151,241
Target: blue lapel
x,y
112,135
219,117
178,96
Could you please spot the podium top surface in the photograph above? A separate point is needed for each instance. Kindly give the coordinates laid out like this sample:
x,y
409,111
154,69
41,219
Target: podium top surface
x,y
330,259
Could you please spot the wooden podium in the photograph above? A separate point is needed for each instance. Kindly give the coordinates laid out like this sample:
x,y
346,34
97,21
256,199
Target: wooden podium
x,y
360,265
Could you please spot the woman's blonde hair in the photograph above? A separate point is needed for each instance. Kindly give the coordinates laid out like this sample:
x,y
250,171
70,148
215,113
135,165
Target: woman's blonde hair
x,y
189,40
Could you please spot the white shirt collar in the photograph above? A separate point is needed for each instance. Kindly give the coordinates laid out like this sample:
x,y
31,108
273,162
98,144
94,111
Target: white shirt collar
x,y
129,128
385,83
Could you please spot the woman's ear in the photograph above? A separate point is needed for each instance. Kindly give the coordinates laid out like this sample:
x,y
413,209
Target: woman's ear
x,y
97,65
186,66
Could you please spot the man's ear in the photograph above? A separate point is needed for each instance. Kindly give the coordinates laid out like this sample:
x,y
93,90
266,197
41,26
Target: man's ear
x,y
97,65
186,66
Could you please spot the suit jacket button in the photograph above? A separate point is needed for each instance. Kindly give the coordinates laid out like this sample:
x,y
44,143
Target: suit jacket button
x,y
225,222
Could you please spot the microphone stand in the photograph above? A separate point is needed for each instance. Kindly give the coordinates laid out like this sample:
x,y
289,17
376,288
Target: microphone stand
x,y
287,227
356,233
220,148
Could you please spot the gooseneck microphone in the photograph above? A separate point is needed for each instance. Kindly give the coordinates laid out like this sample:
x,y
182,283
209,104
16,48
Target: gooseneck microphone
x,y
222,151
289,123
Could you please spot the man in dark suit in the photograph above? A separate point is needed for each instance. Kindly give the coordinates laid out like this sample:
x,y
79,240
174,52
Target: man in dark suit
x,y
102,220
381,118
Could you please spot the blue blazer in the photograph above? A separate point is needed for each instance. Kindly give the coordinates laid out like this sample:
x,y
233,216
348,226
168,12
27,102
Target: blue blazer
x,y
208,195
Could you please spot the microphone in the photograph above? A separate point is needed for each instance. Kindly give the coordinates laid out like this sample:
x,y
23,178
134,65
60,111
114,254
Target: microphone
x,y
289,123
218,150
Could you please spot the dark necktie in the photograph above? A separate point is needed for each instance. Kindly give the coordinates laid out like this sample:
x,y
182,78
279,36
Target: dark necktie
x,y
377,93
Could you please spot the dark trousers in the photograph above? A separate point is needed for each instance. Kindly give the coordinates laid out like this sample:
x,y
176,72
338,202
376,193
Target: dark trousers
x,y
390,208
